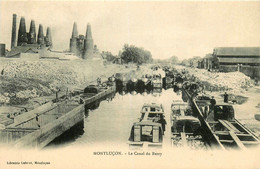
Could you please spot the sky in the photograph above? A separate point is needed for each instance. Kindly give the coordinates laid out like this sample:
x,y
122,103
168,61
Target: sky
x,y
182,29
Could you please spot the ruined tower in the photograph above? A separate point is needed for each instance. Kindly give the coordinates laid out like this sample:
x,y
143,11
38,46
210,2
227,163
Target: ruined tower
x,y
13,39
48,38
22,35
73,39
88,43
40,38
32,33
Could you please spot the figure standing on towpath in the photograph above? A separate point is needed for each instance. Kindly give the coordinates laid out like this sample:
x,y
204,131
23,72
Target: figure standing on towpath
x,y
99,81
225,97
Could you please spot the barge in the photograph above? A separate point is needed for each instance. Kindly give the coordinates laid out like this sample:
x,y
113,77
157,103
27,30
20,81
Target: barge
x,y
37,128
146,134
220,128
185,127
93,93
149,131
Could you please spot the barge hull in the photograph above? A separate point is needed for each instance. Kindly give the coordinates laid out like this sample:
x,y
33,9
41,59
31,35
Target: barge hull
x,y
40,138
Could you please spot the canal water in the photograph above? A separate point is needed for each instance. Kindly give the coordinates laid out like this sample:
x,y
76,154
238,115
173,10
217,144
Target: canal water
x,y
109,122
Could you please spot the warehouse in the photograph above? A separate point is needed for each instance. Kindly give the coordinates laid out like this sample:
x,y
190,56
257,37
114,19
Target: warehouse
x,y
243,59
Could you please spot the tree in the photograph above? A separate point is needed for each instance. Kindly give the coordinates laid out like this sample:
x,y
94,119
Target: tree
x,y
108,56
174,60
135,55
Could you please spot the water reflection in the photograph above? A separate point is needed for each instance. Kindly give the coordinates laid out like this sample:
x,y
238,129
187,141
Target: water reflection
x,y
69,136
109,120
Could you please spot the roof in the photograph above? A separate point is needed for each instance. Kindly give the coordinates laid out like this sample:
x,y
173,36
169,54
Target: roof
x,y
22,49
239,59
187,118
223,104
237,51
152,105
147,123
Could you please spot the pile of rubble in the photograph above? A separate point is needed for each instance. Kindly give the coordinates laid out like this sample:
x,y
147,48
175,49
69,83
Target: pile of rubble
x,y
48,71
235,81
48,76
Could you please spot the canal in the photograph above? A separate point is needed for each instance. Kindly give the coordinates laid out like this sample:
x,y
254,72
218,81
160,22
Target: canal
x,y
108,122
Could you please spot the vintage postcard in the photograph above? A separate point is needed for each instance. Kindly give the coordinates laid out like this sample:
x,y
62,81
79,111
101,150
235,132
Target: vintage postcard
x,y
129,84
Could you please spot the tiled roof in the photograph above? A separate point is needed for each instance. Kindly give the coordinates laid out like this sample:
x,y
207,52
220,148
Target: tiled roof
x,y
237,51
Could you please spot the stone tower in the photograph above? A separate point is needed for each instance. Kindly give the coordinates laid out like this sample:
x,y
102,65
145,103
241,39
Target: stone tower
x,y
73,39
40,38
88,43
48,38
13,39
22,35
32,33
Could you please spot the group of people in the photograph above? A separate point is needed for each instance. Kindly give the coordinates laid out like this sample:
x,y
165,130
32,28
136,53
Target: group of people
x,y
207,111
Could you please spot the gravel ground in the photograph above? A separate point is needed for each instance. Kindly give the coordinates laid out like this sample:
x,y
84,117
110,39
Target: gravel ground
x,y
23,80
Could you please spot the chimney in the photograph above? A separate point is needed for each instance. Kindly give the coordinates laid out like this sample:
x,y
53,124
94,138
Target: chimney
x,y
32,33
13,39
40,38
73,39
48,39
88,43
22,35
74,31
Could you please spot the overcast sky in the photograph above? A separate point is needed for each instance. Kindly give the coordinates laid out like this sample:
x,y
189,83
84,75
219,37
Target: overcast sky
x,y
183,29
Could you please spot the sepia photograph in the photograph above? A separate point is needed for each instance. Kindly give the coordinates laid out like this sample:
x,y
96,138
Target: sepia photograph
x,y
129,84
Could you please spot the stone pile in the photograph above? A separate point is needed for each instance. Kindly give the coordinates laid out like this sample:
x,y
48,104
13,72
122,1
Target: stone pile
x,y
53,75
46,71
235,81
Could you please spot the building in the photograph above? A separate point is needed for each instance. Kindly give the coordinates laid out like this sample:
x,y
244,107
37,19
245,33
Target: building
x,y
24,52
2,50
88,44
26,41
83,46
208,62
243,59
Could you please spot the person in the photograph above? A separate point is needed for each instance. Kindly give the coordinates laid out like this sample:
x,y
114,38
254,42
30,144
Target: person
x,y
57,96
37,120
206,111
99,81
212,103
225,97
163,122
256,81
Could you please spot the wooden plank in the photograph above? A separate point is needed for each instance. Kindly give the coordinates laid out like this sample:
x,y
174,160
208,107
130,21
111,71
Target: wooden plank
x,y
183,139
227,141
32,114
221,133
228,125
21,129
248,131
236,139
244,135
250,142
